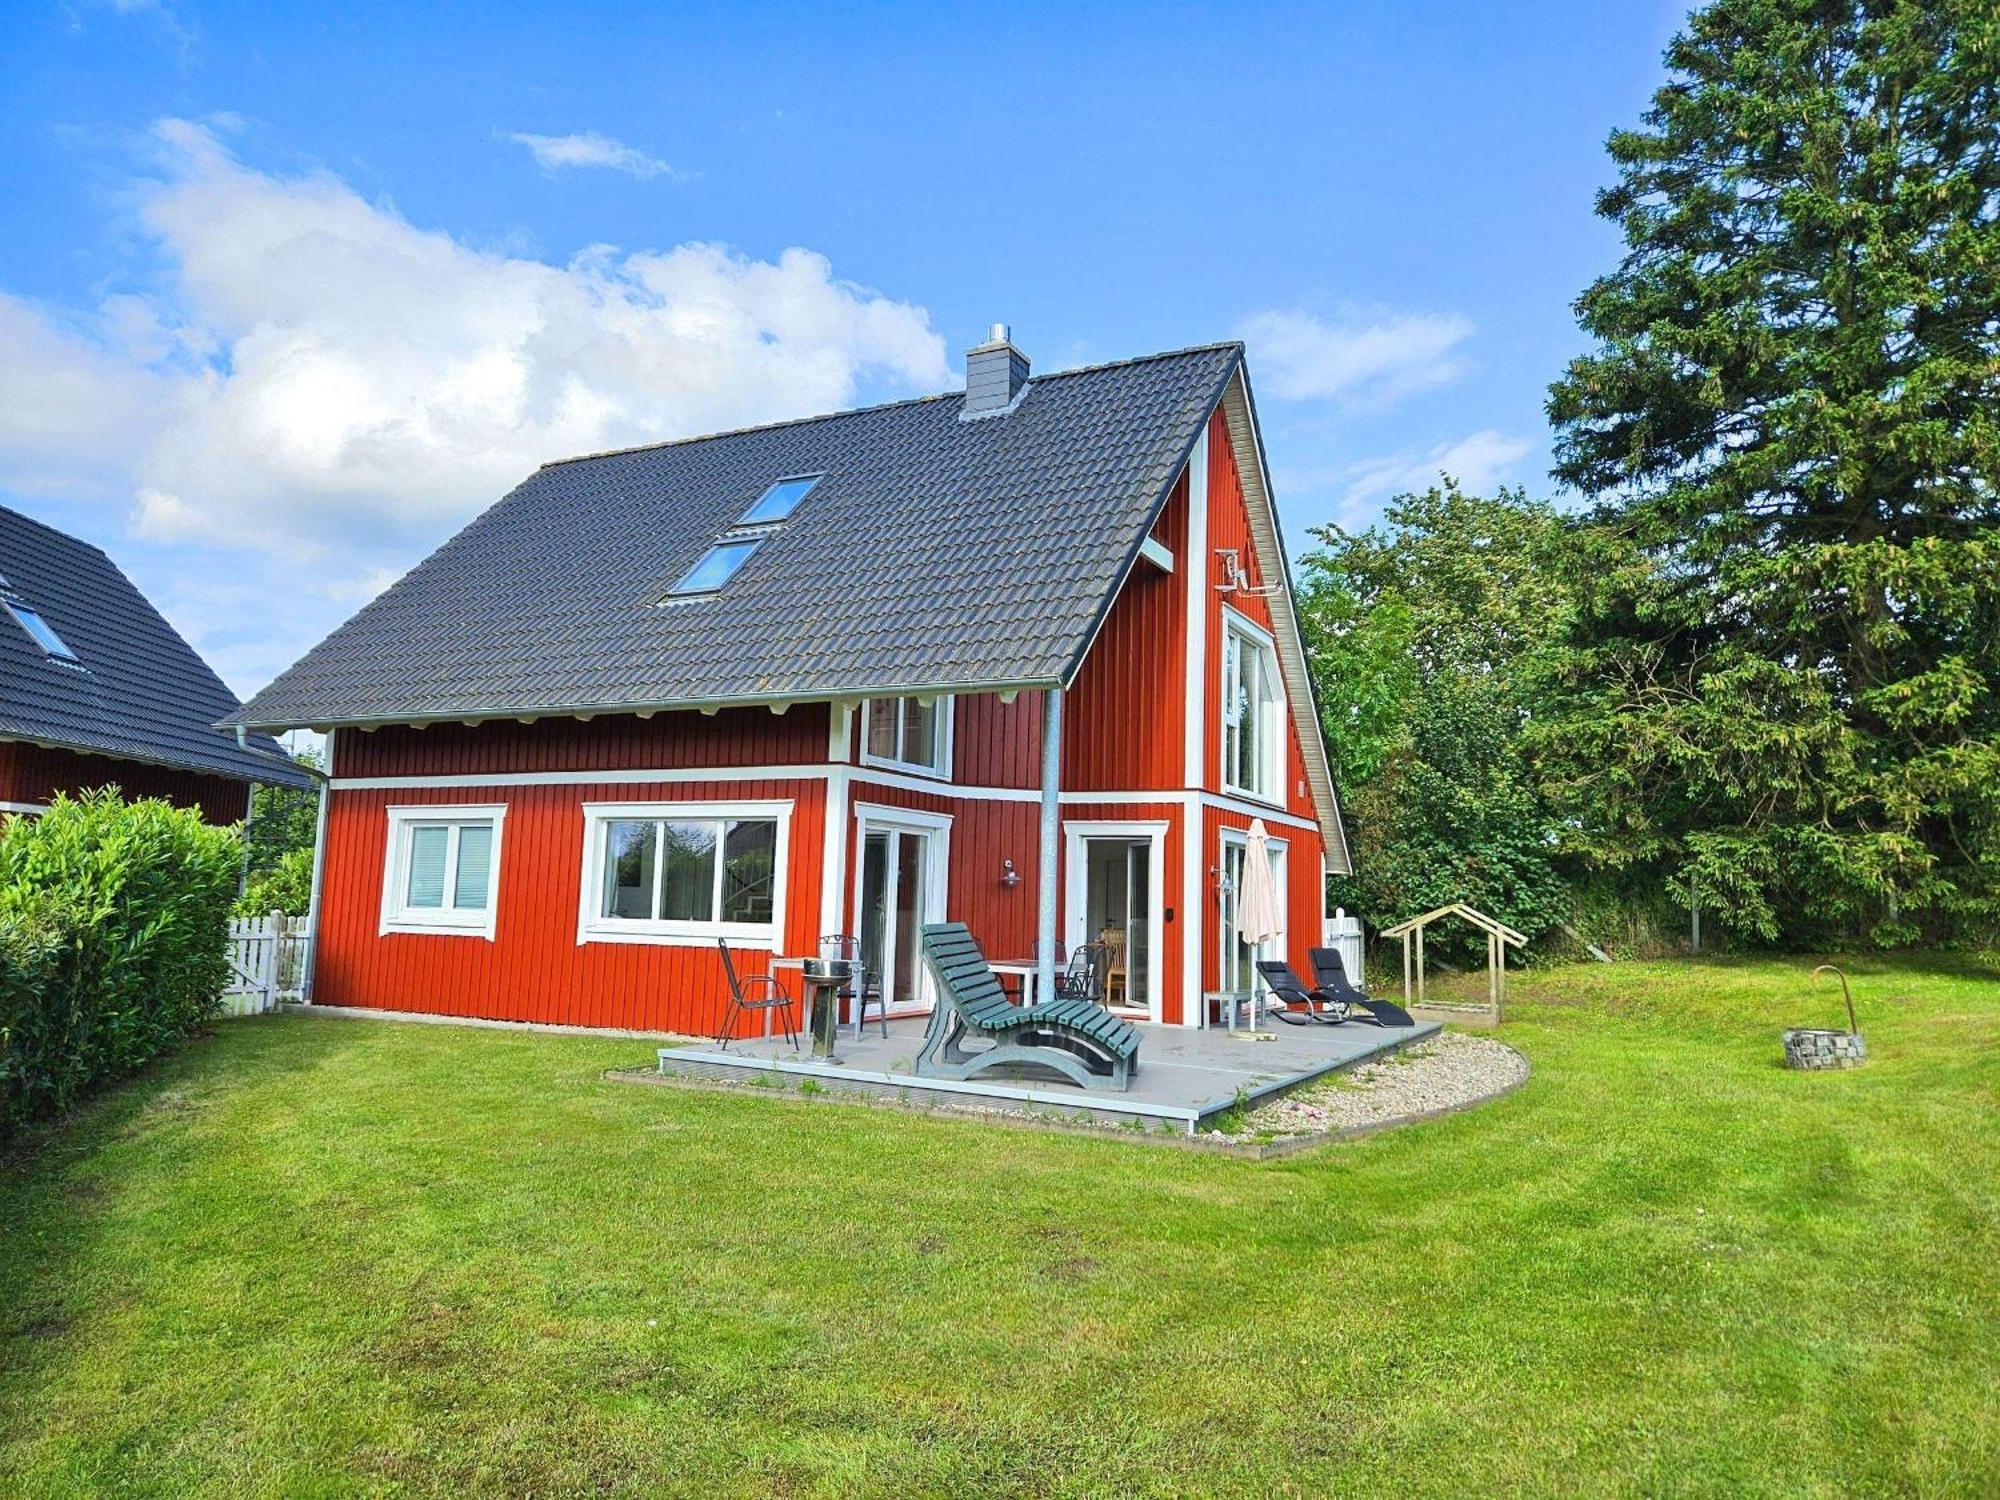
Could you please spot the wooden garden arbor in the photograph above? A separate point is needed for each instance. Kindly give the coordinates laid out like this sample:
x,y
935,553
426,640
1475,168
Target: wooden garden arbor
x,y
1499,938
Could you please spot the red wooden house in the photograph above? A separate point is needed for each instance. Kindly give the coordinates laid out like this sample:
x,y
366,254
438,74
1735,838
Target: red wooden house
x,y
1022,656
96,689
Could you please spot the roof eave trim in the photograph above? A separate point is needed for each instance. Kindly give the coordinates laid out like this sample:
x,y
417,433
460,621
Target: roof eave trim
x,y
647,706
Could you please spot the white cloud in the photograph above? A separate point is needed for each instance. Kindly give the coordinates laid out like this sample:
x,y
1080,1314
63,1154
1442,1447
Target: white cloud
x,y
1479,462
321,369
589,148
321,383
1361,360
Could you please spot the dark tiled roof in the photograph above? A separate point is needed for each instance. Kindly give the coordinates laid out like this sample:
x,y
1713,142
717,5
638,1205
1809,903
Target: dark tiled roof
x,y
138,691
937,553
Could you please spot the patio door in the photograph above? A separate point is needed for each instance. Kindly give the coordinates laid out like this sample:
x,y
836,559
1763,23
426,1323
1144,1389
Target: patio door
x,y
1115,873
901,887
1238,960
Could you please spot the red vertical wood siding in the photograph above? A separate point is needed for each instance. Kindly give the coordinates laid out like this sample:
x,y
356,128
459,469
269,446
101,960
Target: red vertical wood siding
x,y
1124,731
1175,918
534,969
1124,717
1229,526
36,773
995,743
984,835
613,742
1304,894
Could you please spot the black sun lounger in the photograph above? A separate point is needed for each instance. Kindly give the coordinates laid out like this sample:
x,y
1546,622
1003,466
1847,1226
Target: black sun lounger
x,y
1335,985
1291,990
1079,1039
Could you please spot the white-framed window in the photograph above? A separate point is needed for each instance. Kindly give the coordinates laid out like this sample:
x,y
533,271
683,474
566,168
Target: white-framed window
x,y
1237,959
1253,711
684,872
442,870
908,734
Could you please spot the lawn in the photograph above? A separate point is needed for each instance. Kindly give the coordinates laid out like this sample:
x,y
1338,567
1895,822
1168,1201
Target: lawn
x,y
314,1256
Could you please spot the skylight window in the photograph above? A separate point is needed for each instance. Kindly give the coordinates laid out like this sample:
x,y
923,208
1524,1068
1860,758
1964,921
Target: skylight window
x,y
717,566
779,501
44,634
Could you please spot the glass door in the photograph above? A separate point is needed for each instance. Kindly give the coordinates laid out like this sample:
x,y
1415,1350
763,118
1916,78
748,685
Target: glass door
x,y
1118,911
896,871
1239,959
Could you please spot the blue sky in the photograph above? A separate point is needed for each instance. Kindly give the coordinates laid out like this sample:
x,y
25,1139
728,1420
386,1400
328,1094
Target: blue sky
x,y
288,293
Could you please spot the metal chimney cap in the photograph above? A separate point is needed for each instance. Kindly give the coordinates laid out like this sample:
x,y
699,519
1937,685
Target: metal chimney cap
x,y
1002,334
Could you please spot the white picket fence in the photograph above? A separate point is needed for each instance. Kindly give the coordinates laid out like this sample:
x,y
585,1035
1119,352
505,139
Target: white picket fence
x,y
267,962
1344,933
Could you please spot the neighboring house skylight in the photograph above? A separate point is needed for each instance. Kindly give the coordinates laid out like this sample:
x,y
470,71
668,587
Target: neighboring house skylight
x,y
717,566
44,634
779,501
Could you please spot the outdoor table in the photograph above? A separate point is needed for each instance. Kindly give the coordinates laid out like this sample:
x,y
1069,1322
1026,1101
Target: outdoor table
x,y
1234,1005
1021,969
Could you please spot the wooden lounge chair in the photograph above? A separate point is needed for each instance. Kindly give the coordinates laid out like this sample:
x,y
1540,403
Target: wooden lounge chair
x,y
1331,979
1076,1038
1291,990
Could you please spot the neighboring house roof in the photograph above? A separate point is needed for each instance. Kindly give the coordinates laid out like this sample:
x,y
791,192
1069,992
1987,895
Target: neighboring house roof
x,y
937,554
135,689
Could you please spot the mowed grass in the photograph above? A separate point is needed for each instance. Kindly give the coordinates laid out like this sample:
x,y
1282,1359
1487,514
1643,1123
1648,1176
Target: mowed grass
x,y
319,1257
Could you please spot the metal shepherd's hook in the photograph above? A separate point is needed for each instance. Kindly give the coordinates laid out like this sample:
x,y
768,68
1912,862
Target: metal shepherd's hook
x,y
1853,1026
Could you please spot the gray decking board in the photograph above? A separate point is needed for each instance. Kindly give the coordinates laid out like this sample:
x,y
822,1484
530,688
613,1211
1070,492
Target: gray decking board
x,y
1185,1076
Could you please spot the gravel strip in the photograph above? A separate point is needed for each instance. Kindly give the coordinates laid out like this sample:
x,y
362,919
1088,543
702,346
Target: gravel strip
x,y
1448,1072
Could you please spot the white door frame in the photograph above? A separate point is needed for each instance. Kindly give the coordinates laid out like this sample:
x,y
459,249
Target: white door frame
x,y
1282,874
1076,890
878,817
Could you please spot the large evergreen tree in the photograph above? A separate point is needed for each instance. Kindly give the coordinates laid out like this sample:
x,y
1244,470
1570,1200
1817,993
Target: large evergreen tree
x,y
1787,681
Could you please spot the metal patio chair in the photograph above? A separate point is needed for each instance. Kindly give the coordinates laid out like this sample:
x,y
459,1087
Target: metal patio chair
x,y
1083,979
758,992
1330,979
867,990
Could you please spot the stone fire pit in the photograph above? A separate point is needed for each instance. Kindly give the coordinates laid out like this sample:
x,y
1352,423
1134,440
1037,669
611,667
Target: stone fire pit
x,y
1818,1048
1814,1048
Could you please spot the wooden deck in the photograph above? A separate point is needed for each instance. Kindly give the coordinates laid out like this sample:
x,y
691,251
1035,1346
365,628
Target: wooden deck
x,y
1185,1078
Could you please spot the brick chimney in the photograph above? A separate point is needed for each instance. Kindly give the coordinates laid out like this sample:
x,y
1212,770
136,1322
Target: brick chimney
x,y
995,372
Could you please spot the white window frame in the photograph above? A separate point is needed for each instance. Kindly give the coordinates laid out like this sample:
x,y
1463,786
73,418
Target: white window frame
x,y
940,768
876,817
446,920
1271,732
593,927
1279,852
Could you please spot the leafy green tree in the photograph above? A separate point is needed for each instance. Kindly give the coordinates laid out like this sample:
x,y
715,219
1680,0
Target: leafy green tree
x,y
1422,634
1785,681
278,841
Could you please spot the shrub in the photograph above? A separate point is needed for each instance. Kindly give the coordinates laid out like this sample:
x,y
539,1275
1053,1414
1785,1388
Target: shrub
x,y
114,931
285,885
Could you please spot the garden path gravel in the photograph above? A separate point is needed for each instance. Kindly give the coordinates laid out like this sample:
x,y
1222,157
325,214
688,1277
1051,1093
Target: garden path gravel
x,y
1449,1072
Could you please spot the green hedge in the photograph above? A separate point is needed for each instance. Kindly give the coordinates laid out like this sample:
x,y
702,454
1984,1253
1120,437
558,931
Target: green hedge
x,y
114,933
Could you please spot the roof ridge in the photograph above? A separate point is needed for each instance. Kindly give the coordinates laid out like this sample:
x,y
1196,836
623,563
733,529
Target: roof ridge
x,y
57,532
859,411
